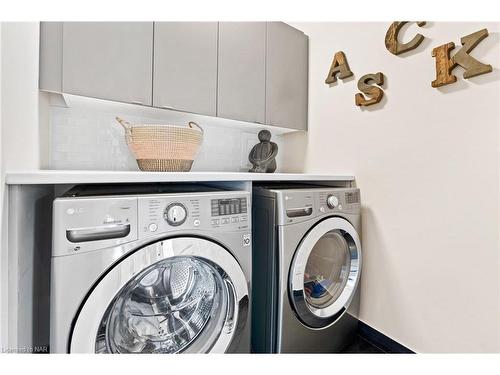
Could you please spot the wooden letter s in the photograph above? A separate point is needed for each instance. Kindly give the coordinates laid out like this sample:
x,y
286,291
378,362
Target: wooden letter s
x,y
373,92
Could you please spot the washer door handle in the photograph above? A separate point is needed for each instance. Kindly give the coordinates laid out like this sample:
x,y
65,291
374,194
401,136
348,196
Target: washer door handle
x,y
102,232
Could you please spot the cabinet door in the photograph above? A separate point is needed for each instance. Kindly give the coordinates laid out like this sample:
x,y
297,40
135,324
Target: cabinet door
x,y
108,60
242,71
185,66
51,36
287,76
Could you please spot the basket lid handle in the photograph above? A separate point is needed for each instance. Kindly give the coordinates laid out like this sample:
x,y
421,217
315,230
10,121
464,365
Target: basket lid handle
x,y
191,123
126,125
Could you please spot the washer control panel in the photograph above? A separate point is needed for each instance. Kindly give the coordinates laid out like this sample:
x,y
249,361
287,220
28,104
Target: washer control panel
x,y
224,211
86,224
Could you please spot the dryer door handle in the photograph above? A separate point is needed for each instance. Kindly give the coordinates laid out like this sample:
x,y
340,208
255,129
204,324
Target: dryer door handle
x,y
102,232
297,212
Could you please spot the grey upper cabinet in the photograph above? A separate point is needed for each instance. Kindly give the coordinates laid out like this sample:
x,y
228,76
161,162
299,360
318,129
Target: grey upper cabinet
x,y
247,71
286,76
109,60
242,71
51,39
185,66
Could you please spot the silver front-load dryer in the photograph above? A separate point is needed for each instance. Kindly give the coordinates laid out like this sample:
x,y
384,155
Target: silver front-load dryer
x,y
307,248
151,273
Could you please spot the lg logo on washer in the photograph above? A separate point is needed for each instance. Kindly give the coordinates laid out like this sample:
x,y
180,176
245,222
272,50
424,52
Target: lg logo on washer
x,y
71,211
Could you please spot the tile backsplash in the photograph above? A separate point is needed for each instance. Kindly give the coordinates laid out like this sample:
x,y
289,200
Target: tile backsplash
x,y
85,139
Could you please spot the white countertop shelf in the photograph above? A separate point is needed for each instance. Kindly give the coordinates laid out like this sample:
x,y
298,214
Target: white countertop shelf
x,y
49,177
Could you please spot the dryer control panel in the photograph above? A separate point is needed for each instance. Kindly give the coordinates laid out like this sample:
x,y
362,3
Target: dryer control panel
x,y
343,201
297,205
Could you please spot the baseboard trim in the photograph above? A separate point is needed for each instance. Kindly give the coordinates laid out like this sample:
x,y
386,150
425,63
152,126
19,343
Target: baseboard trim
x,y
381,341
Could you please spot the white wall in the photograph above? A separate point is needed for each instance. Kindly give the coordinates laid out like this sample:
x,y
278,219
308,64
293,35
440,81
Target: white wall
x,y
19,129
20,44
426,161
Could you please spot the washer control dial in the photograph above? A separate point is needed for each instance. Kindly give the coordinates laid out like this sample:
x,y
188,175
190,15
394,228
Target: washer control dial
x,y
175,214
332,201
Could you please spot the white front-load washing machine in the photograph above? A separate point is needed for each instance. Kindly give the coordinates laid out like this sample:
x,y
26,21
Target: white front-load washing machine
x,y
307,251
156,269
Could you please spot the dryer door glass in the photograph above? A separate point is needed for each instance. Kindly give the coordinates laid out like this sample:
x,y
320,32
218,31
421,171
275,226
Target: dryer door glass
x,y
179,295
325,272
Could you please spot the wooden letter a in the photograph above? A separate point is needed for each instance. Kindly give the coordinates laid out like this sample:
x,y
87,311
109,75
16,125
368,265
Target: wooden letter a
x,y
339,66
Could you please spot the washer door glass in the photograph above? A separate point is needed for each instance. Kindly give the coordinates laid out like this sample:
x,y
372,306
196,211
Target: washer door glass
x,y
325,272
165,308
178,295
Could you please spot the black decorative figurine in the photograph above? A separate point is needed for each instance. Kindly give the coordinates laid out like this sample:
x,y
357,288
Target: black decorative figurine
x,y
263,154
